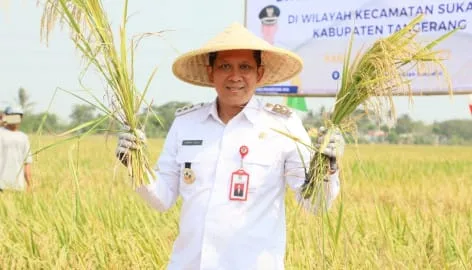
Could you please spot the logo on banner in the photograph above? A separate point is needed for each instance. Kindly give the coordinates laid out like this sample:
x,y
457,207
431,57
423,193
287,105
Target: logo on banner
x,y
278,89
335,75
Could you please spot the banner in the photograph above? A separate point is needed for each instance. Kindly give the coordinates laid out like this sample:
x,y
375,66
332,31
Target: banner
x,y
319,32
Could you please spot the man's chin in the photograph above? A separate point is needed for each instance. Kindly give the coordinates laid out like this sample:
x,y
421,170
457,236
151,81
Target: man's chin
x,y
236,102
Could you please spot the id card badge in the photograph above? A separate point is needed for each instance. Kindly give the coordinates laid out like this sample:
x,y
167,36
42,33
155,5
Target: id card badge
x,y
239,185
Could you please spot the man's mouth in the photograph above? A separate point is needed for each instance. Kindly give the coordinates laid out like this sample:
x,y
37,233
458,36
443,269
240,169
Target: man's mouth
x,y
234,88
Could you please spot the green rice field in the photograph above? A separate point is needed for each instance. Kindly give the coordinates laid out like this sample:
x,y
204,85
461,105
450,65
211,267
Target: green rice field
x,y
401,207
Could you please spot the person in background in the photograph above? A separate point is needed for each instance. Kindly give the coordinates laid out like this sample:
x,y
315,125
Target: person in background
x,y
15,155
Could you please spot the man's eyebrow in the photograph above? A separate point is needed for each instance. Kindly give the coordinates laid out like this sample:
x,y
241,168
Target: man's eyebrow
x,y
245,61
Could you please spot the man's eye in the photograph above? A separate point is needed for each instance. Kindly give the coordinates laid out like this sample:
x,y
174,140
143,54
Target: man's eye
x,y
245,67
225,66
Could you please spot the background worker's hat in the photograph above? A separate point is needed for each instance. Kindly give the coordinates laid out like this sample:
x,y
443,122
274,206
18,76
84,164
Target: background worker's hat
x,y
279,64
12,115
269,15
10,110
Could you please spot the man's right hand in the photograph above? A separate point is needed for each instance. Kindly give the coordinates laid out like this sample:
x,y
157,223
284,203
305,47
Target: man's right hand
x,y
128,141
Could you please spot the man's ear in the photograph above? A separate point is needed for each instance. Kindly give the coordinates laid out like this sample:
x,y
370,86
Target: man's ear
x,y
260,73
210,73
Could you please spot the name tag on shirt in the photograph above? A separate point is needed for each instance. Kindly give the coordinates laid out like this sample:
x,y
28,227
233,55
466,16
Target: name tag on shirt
x,y
239,185
192,142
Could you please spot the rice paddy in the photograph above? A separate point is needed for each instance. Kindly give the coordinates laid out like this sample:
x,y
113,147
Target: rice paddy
x,y
401,207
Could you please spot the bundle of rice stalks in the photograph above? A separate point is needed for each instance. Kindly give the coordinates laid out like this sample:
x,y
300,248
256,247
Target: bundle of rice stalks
x,y
372,79
93,37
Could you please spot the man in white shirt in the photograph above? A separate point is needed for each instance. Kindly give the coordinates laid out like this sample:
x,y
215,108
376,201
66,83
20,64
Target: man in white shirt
x,y
15,156
211,149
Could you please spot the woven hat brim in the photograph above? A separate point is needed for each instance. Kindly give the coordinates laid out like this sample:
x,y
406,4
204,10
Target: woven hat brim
x,y
279,64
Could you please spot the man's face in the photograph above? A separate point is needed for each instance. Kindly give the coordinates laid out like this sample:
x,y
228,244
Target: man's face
x,y
12,127
235,75
12,122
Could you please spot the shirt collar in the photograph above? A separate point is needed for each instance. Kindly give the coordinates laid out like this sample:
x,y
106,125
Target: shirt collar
x,y
210,111
250,111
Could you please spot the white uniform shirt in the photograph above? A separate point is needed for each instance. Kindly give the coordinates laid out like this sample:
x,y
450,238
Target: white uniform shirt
x,y
14,153
216,232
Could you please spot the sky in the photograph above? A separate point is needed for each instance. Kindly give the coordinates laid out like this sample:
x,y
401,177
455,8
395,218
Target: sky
x,y
41,69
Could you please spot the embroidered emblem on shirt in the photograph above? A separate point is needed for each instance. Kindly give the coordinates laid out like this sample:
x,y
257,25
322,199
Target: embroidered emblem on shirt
x,y
278,109
189,175
262,135
189,108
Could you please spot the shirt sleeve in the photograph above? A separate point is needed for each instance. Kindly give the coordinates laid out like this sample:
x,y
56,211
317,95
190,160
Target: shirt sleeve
x,y
27,151
162,193
296,164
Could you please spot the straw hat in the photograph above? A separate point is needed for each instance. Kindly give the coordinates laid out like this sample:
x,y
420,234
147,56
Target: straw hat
x,y
279,64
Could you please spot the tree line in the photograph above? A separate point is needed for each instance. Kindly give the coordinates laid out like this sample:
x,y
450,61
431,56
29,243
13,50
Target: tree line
x,y
404,130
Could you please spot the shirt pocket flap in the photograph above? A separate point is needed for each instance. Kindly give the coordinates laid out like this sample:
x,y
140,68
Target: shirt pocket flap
x,y
265,169
263,156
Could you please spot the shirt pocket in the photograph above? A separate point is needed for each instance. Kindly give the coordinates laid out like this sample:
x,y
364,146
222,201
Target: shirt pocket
x,y
200,166
265,168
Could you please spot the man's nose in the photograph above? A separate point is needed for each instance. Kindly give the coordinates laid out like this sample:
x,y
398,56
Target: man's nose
x,y
235,75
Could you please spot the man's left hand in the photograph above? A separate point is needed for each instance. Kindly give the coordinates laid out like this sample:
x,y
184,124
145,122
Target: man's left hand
x,y
335,147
